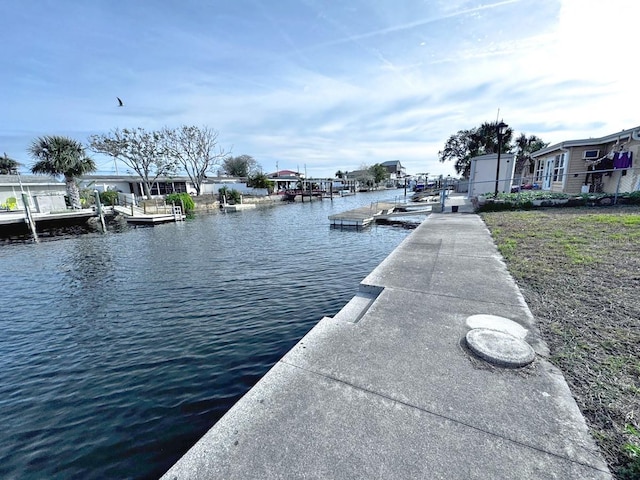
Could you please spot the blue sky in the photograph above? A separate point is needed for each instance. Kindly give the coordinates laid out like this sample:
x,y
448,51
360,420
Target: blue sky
x,y
321,85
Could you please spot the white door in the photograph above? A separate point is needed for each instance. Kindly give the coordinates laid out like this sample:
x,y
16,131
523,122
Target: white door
x,y
548,173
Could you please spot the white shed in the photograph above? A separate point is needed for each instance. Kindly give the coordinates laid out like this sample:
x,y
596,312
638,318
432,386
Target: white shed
x,y
482,175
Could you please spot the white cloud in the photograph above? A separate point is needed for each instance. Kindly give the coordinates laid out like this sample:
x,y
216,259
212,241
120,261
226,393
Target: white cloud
x,y
329,86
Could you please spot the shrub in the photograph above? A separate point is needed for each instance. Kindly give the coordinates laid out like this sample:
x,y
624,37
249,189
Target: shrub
x,y
631,471
235,196
634,198
232,196
182,199
523,200
497,206
528,195
109,197
86,198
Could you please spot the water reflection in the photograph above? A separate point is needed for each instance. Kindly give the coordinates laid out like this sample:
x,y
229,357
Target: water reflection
x,y
119,351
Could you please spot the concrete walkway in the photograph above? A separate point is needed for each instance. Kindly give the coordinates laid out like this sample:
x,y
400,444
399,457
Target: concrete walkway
x,y
388,389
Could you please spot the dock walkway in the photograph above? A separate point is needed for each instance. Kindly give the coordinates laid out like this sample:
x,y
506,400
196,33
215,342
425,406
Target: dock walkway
x,y
20,217
389,388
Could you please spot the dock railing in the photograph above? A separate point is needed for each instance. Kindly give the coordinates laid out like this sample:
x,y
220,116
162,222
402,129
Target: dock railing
x,y
127,199
157,206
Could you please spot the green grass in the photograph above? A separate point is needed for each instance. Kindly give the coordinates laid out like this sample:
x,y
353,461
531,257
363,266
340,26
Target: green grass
x,y
578,270
507,247
610,219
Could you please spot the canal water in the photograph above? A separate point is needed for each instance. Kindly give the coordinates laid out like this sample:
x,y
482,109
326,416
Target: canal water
x,y
119,351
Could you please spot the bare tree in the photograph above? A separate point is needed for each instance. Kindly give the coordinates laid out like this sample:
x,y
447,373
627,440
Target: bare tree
x,y
196,149
144,152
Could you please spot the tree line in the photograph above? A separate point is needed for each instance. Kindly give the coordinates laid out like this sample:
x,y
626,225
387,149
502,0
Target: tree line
x,y
189,149
466,144
196,151
192,150
367,175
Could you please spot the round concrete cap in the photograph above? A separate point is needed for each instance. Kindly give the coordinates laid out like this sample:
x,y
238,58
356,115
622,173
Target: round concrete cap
x,y
494,322
500,348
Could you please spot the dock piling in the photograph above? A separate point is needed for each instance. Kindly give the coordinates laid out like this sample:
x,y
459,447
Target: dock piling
x,y
96,194
29,218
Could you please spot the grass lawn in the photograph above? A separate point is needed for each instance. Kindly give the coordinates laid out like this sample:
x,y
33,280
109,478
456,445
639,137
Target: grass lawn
x,y
579,270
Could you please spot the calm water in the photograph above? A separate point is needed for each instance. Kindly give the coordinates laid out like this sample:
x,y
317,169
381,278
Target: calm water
x,y
119,351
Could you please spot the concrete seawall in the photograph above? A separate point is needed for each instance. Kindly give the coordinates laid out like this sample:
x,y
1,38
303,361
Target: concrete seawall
x,y
389,388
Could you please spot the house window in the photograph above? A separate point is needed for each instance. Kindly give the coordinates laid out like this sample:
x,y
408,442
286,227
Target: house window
x,y
539,171
165,188
179,187
558,168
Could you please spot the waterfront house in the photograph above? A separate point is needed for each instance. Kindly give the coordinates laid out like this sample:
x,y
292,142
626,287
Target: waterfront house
x,y
361,179
593,165
397,173
44,193
285,180
130,185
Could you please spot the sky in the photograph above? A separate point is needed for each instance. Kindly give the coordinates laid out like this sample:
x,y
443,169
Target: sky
x,y
317,86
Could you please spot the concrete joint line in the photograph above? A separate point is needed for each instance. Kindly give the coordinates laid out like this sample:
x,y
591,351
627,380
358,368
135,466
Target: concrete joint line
x,y
446,295
444,417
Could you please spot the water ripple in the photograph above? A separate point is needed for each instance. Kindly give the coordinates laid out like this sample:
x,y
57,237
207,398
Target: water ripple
x,y
119,351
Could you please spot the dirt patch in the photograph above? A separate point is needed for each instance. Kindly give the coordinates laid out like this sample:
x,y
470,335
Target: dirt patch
x,y
579,271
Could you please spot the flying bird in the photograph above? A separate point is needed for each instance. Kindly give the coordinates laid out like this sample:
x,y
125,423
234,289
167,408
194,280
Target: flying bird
x,y
120,104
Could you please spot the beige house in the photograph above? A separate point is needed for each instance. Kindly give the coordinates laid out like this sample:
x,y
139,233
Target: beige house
x,y
594,165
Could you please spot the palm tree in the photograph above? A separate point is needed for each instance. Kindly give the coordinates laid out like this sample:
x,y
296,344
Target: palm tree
x,y
56,155
8,166
526,146
466,144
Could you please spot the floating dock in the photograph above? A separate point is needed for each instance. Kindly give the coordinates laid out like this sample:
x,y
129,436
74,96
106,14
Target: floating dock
x,y
155,219
238,207
361,217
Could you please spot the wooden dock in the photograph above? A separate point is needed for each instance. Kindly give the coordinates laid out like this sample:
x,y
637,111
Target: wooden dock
x,y
138,216
361,217
15,217
154,219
